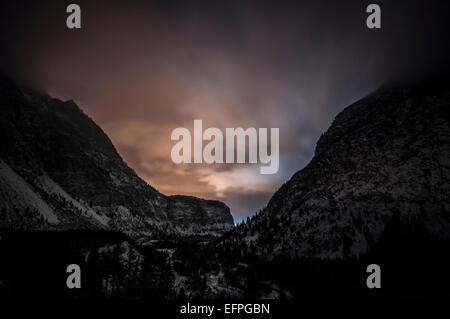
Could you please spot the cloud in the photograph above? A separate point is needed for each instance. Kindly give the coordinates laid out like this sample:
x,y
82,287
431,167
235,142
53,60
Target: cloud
x,y
246,179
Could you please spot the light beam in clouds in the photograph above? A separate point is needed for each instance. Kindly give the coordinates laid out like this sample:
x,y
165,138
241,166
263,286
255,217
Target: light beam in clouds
x,y
246,178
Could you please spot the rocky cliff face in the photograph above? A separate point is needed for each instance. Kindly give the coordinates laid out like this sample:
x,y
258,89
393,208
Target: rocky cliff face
x,y
384,160
192,215
59,170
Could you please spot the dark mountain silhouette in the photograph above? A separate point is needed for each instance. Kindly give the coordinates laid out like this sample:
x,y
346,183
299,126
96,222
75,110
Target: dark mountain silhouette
x,y
376,191
59,170
385,156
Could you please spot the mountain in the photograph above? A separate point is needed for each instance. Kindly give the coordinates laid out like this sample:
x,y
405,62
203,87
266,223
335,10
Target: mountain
x,y
60,171
193,215
384,161
376,192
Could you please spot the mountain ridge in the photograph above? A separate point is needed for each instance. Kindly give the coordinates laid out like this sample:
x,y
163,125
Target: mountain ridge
x,y
52,148
382,156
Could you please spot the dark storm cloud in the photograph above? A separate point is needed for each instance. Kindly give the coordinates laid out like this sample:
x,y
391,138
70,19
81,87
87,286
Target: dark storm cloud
x,y
143,68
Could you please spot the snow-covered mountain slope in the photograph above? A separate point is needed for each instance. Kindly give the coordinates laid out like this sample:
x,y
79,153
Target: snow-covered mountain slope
x,y
384,160
16,194
59,170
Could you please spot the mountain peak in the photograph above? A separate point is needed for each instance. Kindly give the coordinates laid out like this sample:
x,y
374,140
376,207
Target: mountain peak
x,y
64,161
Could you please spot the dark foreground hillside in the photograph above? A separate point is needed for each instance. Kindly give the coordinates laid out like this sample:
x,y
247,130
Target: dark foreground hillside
x,y
34,266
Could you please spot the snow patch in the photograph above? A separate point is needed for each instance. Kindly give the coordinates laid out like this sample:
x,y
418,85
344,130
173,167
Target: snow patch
x,y
52,187
26,196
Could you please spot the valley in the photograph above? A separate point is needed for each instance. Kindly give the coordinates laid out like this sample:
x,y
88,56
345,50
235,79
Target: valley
x,y
375,192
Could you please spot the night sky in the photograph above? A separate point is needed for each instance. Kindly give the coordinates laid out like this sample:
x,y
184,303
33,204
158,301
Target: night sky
x,y
142,68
